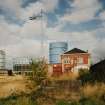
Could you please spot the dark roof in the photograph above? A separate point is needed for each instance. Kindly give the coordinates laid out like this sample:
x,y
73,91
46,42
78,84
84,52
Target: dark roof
x,y
75,50
98,71
101,63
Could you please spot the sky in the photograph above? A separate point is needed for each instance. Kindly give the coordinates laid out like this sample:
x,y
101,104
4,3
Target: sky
x,y
81,23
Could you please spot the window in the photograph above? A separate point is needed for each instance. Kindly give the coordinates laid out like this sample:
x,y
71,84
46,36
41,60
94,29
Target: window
x,y
80,60
66,61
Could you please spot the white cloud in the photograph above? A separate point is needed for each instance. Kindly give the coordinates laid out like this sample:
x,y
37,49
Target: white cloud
x,y
102,16
25,48
35,8
13,6
32,9
8,33
21,40
31,29
99,51
50,5
25,40
82,11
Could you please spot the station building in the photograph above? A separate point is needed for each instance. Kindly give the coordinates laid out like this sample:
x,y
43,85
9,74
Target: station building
x,y
74,60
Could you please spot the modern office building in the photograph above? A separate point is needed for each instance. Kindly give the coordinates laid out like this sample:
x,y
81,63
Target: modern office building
x,y
55,50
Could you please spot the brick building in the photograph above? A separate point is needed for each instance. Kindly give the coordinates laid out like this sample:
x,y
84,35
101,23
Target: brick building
x,y
74,60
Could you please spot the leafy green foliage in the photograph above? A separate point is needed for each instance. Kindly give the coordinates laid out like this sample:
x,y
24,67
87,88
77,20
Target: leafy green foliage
x,y
84,76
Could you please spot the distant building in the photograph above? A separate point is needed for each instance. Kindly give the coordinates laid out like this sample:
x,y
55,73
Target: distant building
x,y
74,60
55,50
22,65
2,60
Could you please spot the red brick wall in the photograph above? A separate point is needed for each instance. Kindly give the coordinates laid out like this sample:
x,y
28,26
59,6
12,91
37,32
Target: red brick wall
x,y
74,57
85,59
57,69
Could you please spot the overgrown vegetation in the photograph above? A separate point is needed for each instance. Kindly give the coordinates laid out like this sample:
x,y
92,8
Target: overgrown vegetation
x,y
90,93
15,100
85,76
28,100
39,68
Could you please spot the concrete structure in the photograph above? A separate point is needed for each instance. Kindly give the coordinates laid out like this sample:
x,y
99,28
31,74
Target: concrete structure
x,y
55,50
22,65
2,60
74,60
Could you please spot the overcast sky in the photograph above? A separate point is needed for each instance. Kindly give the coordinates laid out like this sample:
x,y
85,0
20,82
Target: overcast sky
x,y
79,22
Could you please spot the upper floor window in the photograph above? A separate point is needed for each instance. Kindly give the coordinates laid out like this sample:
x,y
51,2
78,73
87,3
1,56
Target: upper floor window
x,y
80,60
66,61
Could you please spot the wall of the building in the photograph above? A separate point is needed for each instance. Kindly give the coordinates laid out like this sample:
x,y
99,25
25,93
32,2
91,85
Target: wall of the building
x,y
55,69
50,70
22,67
74,62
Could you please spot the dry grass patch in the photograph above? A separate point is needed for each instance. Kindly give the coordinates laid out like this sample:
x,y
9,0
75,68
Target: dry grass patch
x,y
65,76
14,84
94,91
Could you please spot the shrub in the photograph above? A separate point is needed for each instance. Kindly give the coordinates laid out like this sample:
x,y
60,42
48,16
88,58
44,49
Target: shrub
x,y
84,76
39,68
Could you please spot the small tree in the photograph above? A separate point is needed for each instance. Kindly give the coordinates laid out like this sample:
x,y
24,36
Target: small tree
x,y
39,68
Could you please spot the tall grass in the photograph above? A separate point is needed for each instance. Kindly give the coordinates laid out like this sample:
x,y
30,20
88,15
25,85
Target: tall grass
x,y
89,95
96,91
18,101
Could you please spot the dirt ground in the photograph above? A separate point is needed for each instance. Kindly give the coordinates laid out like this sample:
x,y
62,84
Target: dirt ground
x,y
14,85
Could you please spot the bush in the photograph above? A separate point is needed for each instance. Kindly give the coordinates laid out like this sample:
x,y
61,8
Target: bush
x,y
39,68
84,76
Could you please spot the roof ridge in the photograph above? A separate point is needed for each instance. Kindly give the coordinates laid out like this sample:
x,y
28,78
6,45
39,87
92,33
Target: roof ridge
x,y
75,50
